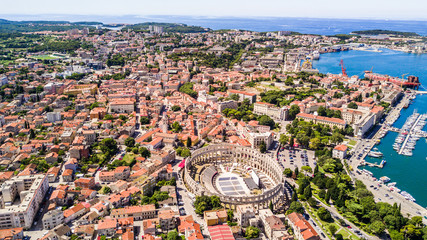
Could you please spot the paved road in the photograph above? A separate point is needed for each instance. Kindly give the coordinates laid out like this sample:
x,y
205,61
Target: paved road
x,y
183,196
336,214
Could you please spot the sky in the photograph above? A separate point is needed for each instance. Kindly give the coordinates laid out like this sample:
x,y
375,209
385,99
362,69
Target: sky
x,y
356,9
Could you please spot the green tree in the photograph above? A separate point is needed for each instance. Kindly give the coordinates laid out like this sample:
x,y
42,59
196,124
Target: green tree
x,y
332,229
293,111
314,143
189,143
396,235
188,89
108,117
176,127
296,171
294,197
377,227
266,121
32,134
295,207
48,109
251,232
230,215
262,147
144,152
324,214
205,203
130,142
284,139
271,206
173,235
321,111
176,108
307,192
337,138
144,120
234,97
287,172
322,193
106,190
108,146
185,153
312,202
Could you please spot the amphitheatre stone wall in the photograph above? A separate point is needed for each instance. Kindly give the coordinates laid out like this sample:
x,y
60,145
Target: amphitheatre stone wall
x,y
227,153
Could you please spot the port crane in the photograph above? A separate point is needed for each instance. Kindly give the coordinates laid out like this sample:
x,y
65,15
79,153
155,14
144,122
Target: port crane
x,y
343,69
403,77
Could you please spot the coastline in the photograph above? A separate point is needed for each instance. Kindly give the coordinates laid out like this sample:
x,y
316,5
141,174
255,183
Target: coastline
x,y
379,189
395,118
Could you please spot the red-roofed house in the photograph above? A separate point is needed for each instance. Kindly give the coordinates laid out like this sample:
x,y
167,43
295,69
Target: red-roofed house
x,y
340,151
220,232
302,229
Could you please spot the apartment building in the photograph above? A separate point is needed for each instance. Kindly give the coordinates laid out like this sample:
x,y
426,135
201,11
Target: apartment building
x,y
278,114
243,95
31,190
244,214
52,219
136,212
255,139
339,123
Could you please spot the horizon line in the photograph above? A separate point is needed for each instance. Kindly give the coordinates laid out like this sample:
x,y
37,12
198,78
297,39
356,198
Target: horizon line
x,y
40,16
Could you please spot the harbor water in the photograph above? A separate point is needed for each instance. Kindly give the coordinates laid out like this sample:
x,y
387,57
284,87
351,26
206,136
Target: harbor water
x,y
408,172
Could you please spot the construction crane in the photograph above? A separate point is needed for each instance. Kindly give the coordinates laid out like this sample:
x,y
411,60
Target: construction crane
x,y
343,69
403,75
403,78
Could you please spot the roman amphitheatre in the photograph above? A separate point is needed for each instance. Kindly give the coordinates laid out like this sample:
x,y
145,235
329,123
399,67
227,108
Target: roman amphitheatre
x,y
238,175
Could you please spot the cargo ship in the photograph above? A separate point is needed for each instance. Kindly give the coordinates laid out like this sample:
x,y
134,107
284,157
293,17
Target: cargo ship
x,y
412,81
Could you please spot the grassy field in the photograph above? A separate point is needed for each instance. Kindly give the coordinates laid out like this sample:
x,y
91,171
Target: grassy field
x,y
129,157
44,57
5,62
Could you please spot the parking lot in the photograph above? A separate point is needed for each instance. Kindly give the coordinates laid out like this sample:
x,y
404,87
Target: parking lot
x,y
293,158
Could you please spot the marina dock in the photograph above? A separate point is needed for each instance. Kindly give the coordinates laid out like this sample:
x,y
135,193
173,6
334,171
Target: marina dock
x,y
381,165
408,136
410,133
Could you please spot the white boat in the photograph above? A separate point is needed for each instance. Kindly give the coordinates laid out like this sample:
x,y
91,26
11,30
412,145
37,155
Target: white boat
x,y
392,184
407,196
385,179
376,154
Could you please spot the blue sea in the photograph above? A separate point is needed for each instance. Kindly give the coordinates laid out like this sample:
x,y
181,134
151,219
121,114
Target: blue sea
x,y
321,26
408,172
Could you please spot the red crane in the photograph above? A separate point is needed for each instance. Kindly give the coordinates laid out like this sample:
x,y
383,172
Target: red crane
x,y
343,69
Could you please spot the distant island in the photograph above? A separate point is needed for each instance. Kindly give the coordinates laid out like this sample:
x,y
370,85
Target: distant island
x,y
168,27
7,26
388,32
